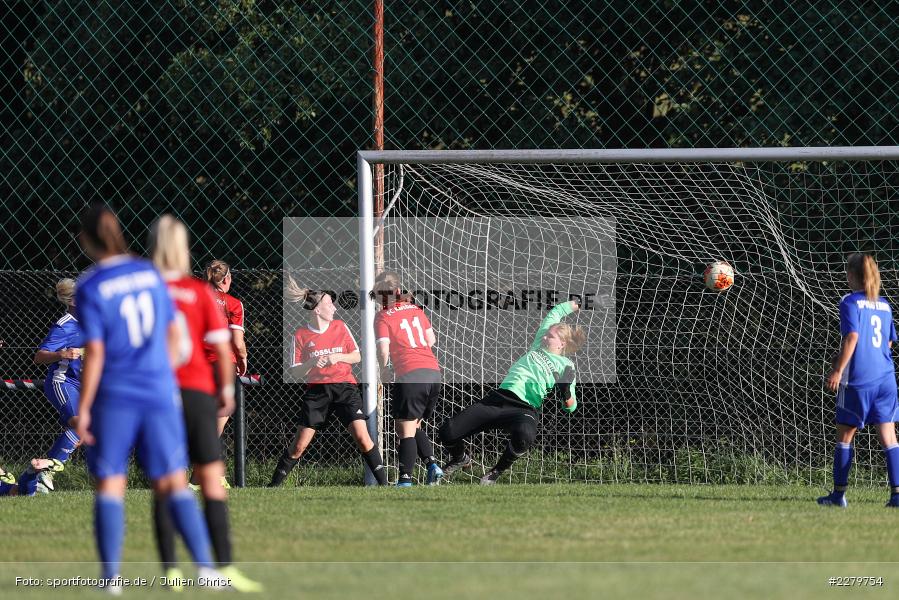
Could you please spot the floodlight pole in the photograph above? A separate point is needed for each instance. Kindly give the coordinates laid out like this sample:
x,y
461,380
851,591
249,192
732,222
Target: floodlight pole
x,y
378,125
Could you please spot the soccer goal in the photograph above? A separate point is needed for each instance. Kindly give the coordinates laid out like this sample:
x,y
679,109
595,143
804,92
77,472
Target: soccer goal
x,y
677,382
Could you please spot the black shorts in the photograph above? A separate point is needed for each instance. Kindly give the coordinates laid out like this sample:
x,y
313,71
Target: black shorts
x,y
200,418
343,399
415,395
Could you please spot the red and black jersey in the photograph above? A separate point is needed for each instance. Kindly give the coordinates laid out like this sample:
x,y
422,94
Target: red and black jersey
x,y
202,321
403,327
232,309
312,344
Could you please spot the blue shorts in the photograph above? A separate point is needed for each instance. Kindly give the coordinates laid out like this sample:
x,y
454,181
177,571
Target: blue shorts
x,y
64,398
869,404
157,435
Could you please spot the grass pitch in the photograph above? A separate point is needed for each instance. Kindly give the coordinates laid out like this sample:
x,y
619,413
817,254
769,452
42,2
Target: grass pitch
x,y
506,541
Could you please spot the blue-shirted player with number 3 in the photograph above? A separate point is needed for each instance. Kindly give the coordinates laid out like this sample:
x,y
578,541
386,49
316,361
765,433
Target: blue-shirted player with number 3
x,y
129,398
863,376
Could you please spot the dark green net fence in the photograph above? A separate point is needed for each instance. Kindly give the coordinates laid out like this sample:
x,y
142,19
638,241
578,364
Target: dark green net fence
x,y
235,114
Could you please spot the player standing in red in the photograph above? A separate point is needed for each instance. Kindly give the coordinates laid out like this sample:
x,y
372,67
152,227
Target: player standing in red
x,y
218,274
202,398
323,353
404,336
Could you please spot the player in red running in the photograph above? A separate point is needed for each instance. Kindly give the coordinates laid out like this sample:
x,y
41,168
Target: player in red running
x,y
323,353
203,400
404,336
218,274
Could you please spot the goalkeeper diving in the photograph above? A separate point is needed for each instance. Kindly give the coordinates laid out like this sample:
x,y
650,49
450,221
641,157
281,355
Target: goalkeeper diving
x,y
513,407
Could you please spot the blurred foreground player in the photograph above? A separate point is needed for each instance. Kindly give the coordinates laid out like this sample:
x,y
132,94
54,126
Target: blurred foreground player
x,y
202,399
129,399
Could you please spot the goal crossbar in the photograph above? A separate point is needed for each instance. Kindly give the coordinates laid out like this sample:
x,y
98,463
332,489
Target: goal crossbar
x,y
645,155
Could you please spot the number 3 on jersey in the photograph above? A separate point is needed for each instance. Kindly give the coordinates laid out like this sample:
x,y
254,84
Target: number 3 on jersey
x,y
876,323
421,334
139,317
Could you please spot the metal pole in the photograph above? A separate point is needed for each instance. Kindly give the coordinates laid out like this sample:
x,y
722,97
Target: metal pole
x,y
367,282
240,437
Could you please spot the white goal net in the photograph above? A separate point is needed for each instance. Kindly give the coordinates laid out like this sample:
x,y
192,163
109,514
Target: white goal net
x,y
677,383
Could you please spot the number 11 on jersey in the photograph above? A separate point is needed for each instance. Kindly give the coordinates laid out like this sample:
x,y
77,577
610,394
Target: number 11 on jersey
x,y
421,334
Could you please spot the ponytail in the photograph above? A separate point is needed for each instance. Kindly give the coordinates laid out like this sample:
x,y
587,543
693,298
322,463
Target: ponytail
x,y
102,229
216,271
386,285
294,293
864,267
574,337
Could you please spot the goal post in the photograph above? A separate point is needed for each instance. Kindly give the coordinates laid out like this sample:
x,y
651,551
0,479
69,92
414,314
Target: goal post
x,y
703,386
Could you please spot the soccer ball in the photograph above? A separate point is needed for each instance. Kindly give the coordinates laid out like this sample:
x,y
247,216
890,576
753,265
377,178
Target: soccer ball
x,y
718,276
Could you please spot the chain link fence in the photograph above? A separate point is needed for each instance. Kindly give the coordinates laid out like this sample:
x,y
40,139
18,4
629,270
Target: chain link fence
x,y
234,114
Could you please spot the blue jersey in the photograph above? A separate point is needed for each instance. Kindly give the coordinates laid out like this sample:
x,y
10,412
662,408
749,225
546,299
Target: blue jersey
x,y
124,303
66,333
873,322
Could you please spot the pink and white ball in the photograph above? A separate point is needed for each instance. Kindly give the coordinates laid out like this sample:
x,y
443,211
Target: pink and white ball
x,y
719,276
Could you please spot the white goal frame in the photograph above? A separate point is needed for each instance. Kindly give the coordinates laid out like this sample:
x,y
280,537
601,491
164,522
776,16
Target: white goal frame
x,y
367,226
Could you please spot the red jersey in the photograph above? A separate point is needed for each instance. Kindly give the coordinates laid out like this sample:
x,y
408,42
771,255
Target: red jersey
x,y
232,309
311,344
403,327
201,320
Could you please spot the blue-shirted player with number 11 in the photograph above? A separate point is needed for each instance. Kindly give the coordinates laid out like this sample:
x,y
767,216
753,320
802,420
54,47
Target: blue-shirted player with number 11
x,y
863,376
129,398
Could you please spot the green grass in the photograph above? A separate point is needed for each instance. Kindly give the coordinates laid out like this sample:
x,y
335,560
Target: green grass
x,y
459,541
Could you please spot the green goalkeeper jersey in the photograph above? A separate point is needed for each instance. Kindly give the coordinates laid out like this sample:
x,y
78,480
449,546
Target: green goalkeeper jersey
x,y
536,373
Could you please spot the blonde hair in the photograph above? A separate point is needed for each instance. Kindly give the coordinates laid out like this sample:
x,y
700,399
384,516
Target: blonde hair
x,y
295,294
386,285
864,267
574,338
169,245
216,271
65,291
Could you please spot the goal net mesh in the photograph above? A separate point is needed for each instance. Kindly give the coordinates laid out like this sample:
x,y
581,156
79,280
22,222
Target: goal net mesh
x,y
700,386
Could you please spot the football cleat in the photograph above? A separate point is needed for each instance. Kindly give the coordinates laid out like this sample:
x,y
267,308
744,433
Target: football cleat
x,y
174,579
490,477
45,481
893,502
435,474
7,477
240,582
454,464
831,500
404,483
113,586
52,465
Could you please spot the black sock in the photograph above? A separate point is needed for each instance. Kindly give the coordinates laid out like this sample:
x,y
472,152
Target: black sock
x,y
457,450
408,450
285,465
165,533
505,461
376,465
219,532
425,447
